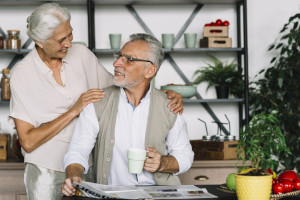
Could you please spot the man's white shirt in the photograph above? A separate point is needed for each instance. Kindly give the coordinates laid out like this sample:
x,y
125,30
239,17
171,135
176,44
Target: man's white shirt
x,y
130,132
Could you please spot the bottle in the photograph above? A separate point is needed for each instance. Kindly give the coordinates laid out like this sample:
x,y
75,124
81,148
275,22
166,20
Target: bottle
x,y
13,41
1,41
5,87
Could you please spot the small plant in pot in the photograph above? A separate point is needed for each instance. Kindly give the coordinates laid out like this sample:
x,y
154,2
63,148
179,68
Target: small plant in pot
x,y
260,143
224,76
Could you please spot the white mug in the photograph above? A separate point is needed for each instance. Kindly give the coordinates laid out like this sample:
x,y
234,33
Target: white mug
x,y
136,158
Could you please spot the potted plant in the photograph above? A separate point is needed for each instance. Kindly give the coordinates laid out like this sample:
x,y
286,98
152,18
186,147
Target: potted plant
x,y
224,76
279,88
260,143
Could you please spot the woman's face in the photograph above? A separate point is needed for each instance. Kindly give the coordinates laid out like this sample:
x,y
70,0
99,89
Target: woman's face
x,y
57,46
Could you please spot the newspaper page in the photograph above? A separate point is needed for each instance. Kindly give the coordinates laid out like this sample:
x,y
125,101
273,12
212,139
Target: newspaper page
x,y
95,190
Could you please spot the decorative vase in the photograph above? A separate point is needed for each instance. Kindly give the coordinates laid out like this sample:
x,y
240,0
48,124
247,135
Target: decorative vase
x,y
222,91
253,187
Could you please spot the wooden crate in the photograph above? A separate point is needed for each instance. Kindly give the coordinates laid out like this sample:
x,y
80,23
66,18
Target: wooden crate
x,y
3,147
212,150
215,31
213,42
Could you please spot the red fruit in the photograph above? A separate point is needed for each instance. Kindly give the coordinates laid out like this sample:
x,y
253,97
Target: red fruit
x,y
212,24
274,181
219,22
297,184
270,171
288,174
207,25
278,188
225,23
288,185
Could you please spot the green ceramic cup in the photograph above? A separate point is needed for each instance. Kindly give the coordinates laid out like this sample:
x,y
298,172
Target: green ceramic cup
x,y
167,40
190,40
136,158
115,40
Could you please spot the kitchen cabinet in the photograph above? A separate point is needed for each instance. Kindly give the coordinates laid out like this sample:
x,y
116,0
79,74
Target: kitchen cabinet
x,y
209,172
12,180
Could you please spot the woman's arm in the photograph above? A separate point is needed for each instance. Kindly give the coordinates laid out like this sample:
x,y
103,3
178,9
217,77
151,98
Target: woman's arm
x,y
31,137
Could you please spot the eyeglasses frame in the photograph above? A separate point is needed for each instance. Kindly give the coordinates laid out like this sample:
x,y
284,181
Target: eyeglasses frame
x,y
119,54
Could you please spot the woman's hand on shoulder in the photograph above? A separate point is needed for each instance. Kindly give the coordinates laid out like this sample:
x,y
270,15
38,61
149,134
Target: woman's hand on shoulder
x,y
176,104
91,96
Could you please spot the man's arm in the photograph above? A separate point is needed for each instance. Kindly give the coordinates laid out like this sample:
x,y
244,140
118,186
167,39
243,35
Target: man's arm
x,y
83,138
74,173
180,152
157,163
76,159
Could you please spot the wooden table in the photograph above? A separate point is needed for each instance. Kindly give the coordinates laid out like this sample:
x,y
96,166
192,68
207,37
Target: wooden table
x,y
211,189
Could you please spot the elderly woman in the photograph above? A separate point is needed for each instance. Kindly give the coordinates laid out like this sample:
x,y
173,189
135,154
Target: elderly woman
x,y
50,87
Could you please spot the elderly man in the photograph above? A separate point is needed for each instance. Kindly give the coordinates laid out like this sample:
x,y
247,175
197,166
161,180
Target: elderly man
x,y
133,114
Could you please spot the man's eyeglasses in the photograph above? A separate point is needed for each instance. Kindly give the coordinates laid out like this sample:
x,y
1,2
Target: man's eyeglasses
x,y
127,59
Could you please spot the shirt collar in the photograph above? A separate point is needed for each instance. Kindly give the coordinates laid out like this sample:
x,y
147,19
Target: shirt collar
x,y
42,66
146,97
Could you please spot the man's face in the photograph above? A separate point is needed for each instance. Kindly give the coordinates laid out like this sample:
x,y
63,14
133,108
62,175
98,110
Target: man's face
x,y
57,46
131,73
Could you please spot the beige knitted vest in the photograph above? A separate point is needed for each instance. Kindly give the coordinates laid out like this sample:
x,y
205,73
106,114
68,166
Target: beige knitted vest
x,y
160,122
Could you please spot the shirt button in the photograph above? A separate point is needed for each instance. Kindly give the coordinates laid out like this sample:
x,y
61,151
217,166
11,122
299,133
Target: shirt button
x,y
108,159
112,141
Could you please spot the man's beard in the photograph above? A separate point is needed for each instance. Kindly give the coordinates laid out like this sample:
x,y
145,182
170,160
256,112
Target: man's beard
x,y
125,83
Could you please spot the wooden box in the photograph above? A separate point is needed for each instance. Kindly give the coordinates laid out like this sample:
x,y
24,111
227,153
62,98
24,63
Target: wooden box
x,y
213,42
3,147
212,150
215,31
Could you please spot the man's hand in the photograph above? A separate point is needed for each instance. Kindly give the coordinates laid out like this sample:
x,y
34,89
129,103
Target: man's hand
x,y
74,173
176,105
67,188
157,163
152,163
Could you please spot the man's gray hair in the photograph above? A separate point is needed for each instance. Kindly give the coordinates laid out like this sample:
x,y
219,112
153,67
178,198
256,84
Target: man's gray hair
x,y
45,19
157,54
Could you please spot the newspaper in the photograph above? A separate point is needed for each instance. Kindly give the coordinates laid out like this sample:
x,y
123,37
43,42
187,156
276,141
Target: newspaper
x,y
94,190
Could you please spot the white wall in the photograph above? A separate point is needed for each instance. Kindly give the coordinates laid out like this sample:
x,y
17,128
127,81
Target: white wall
x,y
265,19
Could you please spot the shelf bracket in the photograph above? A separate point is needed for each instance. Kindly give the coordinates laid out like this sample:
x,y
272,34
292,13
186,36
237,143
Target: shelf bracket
x,y
205,105
139,19
188,22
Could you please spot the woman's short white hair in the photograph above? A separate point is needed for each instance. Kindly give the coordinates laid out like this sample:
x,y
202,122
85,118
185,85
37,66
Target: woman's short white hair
x,y
45,19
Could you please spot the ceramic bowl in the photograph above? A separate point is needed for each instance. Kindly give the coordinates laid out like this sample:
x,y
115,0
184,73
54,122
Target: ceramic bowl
x,y
187,91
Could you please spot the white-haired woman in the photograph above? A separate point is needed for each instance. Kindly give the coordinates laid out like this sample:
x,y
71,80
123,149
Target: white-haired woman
x,y
50,87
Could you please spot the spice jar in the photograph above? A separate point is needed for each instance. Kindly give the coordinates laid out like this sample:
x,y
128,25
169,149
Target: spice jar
x,y
1,41
13,41
5,87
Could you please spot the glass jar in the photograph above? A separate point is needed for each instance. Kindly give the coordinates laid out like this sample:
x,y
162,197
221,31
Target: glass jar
x,y
13,41
1,41
5,87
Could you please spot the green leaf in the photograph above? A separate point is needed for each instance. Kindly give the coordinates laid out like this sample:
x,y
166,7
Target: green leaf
x,y
280,82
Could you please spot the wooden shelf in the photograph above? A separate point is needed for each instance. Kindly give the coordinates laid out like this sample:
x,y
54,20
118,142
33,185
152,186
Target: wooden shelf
x,y
12,164
213,100
14,51
161,2
179,50
217,163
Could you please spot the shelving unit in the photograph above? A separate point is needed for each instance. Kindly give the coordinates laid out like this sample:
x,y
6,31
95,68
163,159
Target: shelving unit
x,y
240,51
